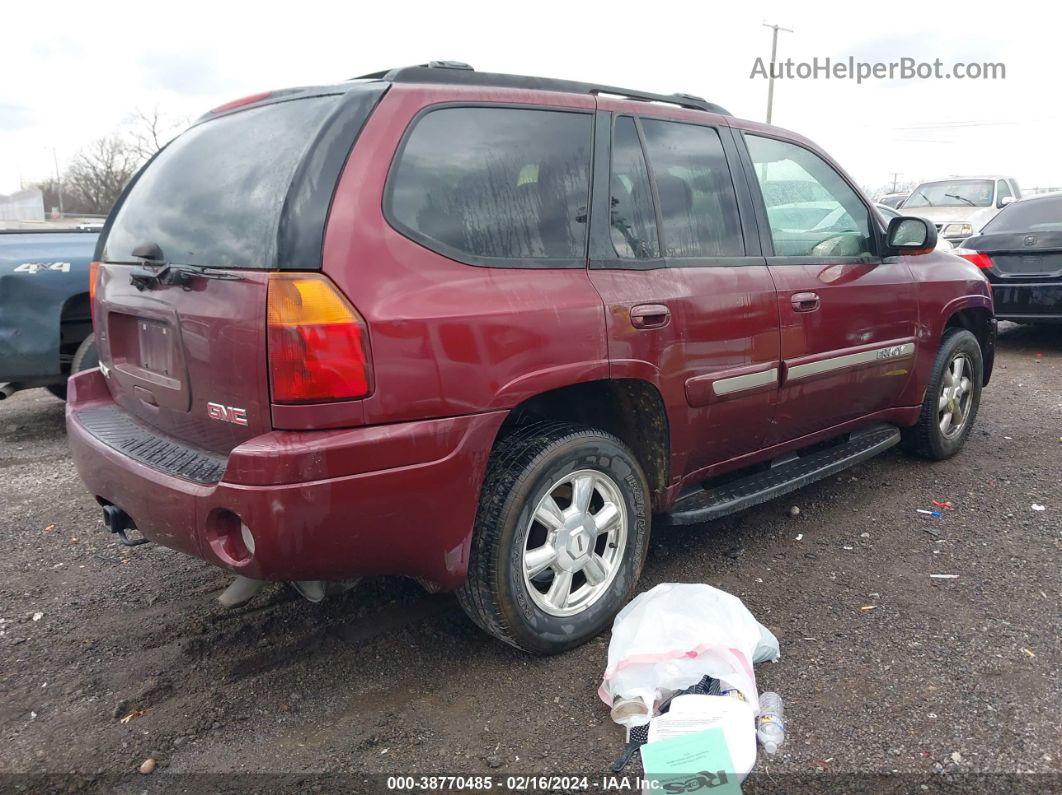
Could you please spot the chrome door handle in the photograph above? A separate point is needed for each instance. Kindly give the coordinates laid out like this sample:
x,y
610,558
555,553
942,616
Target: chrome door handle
x,y
805,302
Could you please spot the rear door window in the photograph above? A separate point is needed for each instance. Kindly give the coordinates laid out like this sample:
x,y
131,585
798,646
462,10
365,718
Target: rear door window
x,y
633,217
495,185
698,206
214,196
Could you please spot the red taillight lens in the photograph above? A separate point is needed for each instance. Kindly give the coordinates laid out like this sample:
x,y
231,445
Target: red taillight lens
x,y
318,345
94,275
982,261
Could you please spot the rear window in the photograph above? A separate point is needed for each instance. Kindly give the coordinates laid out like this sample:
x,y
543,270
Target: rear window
x,y
495,186
1037,215
214,196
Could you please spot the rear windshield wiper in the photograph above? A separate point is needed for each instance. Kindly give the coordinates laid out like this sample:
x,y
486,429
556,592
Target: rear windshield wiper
x,y
180,275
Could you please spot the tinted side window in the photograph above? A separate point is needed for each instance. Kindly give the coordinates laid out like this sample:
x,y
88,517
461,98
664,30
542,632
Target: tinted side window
x,y
698,207
811,210
633,221
497,183
1003,190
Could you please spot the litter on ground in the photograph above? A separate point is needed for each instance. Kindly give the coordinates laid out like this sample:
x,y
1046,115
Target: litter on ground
x,y
680,678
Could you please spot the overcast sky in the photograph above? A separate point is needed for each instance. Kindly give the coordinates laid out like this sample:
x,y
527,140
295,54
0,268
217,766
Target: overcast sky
x,y
74,71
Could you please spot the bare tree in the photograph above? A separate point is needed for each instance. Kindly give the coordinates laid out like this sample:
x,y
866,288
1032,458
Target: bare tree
x,y
96,176
150,130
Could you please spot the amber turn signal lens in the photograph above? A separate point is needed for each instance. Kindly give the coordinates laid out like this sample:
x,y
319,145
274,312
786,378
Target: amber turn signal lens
x,y
318,343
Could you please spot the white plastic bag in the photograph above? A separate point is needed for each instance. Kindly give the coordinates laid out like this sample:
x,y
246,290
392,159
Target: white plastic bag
x,y
672,636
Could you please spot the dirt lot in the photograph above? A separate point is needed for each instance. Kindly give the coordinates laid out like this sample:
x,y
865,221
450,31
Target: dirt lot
x,y
943,682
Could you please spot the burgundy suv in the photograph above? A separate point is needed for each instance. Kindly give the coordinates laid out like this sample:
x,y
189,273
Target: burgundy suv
x,y
481,330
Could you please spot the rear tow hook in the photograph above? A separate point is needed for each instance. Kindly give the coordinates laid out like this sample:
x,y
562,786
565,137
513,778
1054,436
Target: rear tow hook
x,y
118,521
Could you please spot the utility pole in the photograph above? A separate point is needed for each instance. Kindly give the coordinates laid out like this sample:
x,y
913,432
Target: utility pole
x,y
58,180
895,175
774,56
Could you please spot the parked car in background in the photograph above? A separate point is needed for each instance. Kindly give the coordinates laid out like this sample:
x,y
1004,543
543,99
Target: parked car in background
x,y
893,200
1020,251
888,213
962,205
45,322
421,345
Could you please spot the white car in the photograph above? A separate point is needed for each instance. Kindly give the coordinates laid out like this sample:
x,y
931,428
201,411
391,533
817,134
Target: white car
x,y
961,206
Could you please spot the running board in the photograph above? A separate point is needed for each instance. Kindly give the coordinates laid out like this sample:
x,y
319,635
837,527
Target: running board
x,y
785,475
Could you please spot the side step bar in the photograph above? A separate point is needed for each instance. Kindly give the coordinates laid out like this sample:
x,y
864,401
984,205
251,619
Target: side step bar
x,y
786,475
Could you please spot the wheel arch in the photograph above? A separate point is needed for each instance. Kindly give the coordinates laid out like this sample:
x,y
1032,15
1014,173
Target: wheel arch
x,y
75,325
978,320
631,409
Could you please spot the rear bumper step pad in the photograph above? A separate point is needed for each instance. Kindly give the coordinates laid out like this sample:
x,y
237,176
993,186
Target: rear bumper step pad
x,y
712,503
118,430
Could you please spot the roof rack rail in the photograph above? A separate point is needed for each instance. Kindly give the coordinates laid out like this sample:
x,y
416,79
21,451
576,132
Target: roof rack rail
x,y
459,73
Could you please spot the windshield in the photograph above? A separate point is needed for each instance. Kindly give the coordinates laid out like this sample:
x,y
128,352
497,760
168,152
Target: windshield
x,y
214,196
952,193
1037,215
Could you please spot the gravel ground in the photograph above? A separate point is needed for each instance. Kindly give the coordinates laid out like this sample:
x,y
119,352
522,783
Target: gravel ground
x,y
893,681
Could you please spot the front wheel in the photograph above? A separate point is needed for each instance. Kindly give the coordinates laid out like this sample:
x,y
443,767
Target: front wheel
x,y
560,537
951,400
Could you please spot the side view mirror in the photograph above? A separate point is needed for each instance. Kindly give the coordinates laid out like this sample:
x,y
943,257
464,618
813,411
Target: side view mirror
x,y
1005,201
908,235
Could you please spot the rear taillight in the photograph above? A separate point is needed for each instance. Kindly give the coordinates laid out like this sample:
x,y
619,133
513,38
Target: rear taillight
x,y
94,275
318,343
982,261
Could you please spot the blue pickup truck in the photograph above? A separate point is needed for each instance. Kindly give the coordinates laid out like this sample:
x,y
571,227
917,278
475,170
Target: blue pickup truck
x,y
45,320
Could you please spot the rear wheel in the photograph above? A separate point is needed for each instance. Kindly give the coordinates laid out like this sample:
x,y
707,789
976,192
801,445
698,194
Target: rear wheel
x,y
951,400
560,537
85,358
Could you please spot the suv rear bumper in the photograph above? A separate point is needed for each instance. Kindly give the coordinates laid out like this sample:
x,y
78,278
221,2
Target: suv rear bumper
x,y
396,499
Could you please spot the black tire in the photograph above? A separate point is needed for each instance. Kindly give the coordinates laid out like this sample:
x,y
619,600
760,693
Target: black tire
x,y
926,438
85,358
523,468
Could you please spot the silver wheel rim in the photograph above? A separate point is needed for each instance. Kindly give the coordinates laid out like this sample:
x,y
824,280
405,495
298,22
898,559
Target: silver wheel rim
x,y
573,546
956,394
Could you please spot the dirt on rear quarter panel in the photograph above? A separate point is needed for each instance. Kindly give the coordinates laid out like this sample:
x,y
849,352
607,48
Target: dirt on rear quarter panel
x,y
941,680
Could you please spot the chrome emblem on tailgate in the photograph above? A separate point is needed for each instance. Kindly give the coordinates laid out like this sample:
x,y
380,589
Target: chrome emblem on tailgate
x,y
236,416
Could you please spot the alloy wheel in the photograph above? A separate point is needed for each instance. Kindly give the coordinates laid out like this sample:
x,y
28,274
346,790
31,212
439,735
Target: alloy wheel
x,y
956,392
574,543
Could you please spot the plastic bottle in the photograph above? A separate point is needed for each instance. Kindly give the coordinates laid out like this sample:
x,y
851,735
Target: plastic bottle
x,y
770,725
